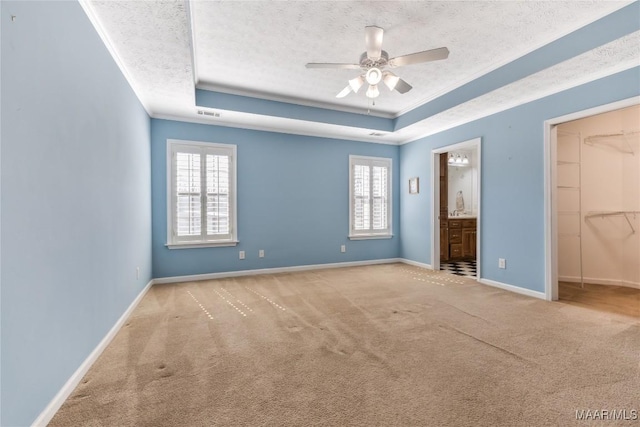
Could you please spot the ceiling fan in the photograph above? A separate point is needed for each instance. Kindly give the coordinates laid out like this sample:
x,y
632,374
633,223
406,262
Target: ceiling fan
x,y
374,63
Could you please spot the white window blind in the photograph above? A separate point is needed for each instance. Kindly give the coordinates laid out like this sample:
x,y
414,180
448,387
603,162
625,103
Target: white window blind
x,y
201,194
370,196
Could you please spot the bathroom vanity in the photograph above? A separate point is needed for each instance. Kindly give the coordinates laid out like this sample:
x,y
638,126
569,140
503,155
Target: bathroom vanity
x,y
461,238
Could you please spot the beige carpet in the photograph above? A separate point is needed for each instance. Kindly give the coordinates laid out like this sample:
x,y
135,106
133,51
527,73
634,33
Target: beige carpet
x,y
380,345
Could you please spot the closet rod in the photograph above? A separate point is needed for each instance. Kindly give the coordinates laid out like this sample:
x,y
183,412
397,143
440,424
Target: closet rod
x,y
614,213
601,139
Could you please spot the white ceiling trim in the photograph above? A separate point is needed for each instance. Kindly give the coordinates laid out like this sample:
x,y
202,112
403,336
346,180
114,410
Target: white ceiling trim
x,y
293,100
287,126
192,41
104,36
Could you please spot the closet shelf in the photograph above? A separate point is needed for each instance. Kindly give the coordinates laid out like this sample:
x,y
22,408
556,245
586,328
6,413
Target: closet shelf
x,y
624,214
618,141
562,132
570,234
565,162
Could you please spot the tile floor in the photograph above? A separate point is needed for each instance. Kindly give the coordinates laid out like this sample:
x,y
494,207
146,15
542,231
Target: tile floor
x,y
460,268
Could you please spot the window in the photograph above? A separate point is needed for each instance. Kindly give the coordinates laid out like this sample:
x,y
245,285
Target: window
x,y
201,194
369,197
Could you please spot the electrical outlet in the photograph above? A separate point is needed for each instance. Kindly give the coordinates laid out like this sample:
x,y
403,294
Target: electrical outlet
x,y
137,273
241,254
261,253
343,248
502,263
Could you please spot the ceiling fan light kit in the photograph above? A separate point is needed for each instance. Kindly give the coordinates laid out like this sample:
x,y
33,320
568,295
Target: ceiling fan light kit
x,y
373,91
391,80
374,61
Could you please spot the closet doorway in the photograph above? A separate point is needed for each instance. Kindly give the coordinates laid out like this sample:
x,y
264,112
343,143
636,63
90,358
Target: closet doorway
x,y
595,209
455,199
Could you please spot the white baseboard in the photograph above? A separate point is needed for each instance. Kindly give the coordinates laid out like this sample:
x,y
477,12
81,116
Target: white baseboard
x,y
416,263
516,289
224,274
506,287
596,281
55,404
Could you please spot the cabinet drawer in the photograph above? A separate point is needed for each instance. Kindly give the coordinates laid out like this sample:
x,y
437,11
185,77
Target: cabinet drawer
x,y
469,223
456,251
455,236
455,223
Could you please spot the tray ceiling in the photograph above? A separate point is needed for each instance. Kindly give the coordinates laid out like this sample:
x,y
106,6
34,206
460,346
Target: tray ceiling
x,y
259,49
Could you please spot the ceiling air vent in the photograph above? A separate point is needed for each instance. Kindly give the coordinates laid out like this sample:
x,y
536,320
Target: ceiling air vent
x,y
208,113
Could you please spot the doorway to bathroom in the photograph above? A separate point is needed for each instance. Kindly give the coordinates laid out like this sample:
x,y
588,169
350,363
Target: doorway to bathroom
x,y
455,201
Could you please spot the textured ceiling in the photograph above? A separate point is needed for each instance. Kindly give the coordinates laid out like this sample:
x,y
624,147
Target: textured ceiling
x,y
263,46
260,49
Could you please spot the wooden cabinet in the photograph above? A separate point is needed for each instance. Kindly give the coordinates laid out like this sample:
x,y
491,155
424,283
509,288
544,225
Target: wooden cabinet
x,y
469,232
455,239
444,241
469,243
462,238
444,207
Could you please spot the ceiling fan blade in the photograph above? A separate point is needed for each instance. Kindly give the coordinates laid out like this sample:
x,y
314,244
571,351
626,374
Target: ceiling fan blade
x,y
402,86
344,92
373,41
356,83
416,58
332,65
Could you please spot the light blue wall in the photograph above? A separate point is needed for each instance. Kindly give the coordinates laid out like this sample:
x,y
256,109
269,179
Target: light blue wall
x,y
512,180
293,201
247,104
76,205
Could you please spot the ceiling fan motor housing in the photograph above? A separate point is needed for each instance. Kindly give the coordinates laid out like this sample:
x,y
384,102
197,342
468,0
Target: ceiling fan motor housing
x,y
367,63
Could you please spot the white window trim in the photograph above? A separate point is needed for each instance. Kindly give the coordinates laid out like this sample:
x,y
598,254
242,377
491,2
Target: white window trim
x,y
368,235
233,240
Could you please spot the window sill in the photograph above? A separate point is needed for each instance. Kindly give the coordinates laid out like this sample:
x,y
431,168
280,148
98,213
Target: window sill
x,y
369,236
189,245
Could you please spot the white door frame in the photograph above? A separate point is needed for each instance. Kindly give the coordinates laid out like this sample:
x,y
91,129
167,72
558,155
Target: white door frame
x,y
435,200
550,192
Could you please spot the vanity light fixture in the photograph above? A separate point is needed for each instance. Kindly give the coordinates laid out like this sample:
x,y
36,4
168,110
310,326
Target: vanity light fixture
x,y
455,159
